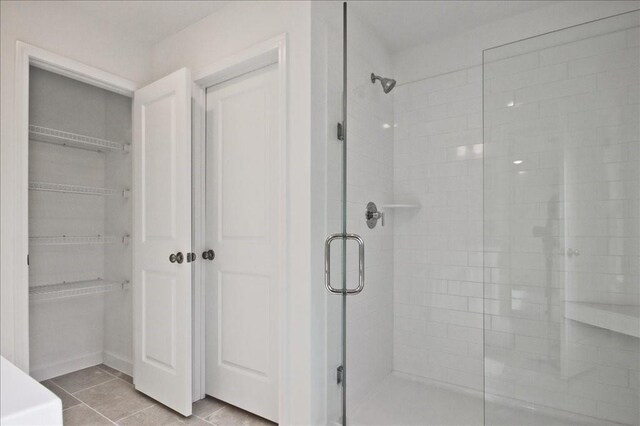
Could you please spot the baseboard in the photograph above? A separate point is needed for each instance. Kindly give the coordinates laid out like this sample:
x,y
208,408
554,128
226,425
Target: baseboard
x,y
119,363
54,370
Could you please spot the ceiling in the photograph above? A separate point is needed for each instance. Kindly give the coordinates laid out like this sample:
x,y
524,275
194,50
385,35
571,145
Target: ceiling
x,y
404,24
149,21
400,24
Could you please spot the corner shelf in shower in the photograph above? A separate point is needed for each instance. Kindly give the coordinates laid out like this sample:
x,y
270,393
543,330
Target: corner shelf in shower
x,y
59,137
624,319
76,189
401,206
75,288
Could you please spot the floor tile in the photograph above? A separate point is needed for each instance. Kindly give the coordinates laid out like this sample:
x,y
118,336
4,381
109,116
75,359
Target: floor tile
x,y
160,415
115,399
81,415
82,379
207,406
232,416
68,400
127,378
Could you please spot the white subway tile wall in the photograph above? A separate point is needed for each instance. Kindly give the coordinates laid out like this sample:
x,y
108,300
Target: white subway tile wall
x,y
438,248
561,191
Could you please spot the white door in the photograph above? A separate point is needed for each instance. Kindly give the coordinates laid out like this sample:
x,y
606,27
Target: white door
x,y
162,227
243,221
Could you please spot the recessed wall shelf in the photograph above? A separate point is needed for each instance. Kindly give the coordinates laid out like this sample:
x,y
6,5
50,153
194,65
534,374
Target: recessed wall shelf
x,y
75,288
623,319
47,135
401,206
65,239
75,189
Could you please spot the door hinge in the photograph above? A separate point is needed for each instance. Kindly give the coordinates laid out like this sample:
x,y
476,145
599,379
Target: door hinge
x,y
27,260
340,374
340,132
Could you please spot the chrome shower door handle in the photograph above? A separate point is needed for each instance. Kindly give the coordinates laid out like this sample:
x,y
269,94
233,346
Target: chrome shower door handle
x,y
327,263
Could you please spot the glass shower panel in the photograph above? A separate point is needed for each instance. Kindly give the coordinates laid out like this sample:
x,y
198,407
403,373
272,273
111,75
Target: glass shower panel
x,y
327,57
369,159
561,226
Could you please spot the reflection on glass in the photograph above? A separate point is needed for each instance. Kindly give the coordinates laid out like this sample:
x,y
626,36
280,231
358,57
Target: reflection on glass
x,y
561,227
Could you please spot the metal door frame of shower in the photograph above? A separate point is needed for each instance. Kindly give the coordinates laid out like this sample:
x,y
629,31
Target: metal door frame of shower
x,y
343,309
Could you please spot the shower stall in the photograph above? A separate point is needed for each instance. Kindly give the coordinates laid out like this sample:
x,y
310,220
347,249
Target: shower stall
x,y
483,223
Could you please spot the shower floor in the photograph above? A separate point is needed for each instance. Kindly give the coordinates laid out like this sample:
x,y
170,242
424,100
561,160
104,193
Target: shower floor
x,y
401,401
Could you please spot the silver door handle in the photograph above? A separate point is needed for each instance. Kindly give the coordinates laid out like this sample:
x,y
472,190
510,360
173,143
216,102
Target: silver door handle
x,y
327,263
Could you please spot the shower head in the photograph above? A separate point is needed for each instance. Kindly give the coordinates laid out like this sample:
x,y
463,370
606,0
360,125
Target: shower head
x,y
387,83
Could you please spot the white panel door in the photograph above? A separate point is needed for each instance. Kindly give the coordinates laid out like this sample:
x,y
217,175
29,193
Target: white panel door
x,y
243,222
162,226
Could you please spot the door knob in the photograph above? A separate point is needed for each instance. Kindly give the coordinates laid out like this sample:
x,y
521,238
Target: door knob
x,y
208,255
178,257
191,257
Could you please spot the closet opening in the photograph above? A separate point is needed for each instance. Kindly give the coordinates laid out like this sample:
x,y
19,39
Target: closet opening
x,y
79,227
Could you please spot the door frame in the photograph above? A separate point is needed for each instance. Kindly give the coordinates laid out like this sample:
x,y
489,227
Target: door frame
x,y
15,243
269,52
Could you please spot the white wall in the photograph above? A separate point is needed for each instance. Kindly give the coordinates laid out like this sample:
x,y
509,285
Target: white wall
x,y
60,28
239,26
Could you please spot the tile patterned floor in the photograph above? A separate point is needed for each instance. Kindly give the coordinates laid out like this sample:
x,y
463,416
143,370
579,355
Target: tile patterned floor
x,y
101,395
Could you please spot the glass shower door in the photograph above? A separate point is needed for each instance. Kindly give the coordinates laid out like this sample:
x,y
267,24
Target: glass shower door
x,y
328,36
561,226
409,348
359,310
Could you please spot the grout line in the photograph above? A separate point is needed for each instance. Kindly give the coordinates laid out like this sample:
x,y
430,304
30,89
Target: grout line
x,y
210,414
104,369
71,393
82,402
130,384
134,413
91,387
117,377
96,411
68,393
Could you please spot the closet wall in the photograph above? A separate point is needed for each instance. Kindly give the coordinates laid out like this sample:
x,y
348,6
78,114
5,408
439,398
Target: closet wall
x,y
79,222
